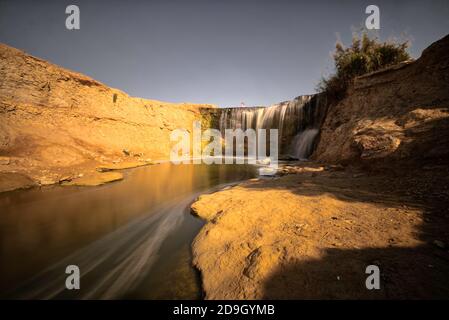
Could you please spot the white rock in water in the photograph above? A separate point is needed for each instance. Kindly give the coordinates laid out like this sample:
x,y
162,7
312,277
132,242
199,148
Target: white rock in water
x,y
267,171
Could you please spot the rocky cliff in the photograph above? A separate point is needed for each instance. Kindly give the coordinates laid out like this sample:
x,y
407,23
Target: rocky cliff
x,y
399,115
55,123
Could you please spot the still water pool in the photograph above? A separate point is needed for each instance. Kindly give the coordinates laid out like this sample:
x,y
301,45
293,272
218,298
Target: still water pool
x,y
130,239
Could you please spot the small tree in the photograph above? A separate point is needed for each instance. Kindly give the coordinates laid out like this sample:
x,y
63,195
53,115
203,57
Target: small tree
x,y
363,56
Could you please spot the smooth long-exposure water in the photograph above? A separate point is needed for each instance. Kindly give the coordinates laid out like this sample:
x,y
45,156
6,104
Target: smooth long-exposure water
x,y
130,239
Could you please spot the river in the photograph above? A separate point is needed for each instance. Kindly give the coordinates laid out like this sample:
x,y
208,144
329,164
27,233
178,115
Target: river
x,y
130,239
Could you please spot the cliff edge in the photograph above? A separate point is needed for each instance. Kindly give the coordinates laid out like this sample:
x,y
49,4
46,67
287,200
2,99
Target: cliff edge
x,y
393,117
57,125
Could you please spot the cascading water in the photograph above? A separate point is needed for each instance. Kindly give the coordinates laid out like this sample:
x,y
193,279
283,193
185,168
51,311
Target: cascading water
x,y
297,120
303,144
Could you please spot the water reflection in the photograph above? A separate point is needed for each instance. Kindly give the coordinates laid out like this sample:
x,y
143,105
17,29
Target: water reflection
x,y
130,238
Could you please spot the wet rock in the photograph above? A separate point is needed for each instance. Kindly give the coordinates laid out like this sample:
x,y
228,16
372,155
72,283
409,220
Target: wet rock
x,y
12,181
121,166
313,169
65,179
46,181
300,169
95,179
103,169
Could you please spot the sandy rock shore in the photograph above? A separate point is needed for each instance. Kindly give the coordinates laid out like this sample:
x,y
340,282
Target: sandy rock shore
x,y
311,235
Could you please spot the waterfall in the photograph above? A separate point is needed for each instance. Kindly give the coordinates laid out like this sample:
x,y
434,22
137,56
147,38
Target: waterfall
x,y
298,122
303,144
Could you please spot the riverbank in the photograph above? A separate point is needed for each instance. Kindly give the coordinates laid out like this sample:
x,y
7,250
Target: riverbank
x,y
310,235
90,173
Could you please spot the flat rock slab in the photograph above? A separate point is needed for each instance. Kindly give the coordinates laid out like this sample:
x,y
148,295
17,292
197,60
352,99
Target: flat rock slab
x,y
11,181
121,166
95,179
306,236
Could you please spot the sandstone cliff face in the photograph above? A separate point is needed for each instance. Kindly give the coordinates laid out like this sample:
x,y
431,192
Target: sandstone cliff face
x,y
395,116
54,122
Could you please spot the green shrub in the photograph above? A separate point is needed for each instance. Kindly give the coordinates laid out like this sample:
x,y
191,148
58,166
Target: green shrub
x,y
363,56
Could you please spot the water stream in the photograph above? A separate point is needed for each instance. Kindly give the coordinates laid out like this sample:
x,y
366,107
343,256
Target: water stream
x,y
130,239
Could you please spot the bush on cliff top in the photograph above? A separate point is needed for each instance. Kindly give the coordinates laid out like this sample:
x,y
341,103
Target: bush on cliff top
x,y
363,56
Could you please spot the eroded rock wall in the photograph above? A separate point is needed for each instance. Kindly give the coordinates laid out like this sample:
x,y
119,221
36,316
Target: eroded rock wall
x,y
54,122
395,116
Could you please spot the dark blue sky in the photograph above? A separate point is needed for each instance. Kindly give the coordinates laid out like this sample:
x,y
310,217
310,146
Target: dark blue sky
x,y
221,52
